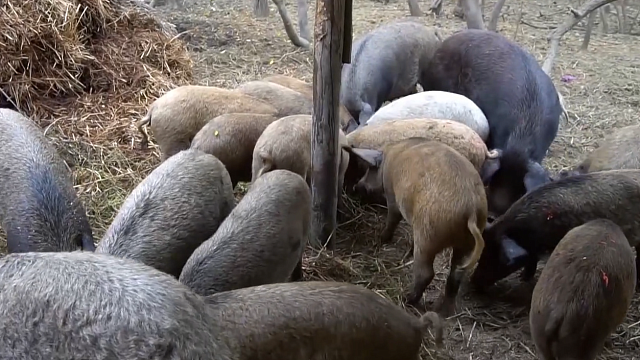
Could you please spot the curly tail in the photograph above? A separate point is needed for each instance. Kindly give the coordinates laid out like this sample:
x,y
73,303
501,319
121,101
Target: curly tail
x,y
472,224
431,320
146,120
261,8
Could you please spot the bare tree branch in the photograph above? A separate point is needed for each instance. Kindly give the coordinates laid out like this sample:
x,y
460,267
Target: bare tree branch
x,y
571,21
495,15
288,26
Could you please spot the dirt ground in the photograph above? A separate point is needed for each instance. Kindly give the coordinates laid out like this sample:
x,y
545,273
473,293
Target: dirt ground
x,y
229,47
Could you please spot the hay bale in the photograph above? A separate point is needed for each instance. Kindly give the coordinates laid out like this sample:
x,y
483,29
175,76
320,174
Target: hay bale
x,y
85,70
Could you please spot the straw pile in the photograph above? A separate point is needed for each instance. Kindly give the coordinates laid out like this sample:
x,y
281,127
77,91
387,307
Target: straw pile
x,y
85,70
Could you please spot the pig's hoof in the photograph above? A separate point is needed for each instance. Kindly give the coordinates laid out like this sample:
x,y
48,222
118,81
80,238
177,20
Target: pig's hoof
x,y
412,299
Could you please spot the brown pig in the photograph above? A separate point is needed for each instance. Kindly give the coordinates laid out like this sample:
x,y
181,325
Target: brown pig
x,y
440,194
318,320
231,138
177,116
454,134
286,101
286,144
306,89
583,293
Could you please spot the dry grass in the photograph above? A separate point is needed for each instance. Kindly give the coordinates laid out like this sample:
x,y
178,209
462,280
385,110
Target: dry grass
x,y
114,58
85,69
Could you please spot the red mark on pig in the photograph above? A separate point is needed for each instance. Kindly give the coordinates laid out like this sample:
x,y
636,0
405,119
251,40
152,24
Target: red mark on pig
x,y
605,278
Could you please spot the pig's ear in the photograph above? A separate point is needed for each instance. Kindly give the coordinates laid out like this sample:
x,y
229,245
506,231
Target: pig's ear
x,y
489,168
511,253
372,157
536,176
351,125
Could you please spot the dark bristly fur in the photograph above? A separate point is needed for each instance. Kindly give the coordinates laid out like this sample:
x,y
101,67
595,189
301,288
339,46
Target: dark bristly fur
x,y
518,98
537,221
584,292
260,242
80,306
318,320
171,212
39,209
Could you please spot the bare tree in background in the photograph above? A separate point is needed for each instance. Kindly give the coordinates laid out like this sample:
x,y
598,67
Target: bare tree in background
x,y
572,20
587,33
261,9
473,14
495,15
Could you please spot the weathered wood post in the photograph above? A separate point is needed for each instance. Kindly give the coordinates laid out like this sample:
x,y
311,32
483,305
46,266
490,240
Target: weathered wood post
x,y
329,36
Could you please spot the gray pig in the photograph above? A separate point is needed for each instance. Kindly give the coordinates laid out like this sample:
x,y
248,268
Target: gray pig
x,y
385,65
260,242
584,292
171,212
79,306
619,150
318,320
40,210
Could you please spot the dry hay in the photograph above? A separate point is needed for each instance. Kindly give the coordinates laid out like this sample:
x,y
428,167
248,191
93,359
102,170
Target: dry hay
x,y
84,70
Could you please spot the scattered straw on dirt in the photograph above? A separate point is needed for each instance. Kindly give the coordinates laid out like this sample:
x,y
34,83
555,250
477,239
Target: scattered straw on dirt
x,y
85,69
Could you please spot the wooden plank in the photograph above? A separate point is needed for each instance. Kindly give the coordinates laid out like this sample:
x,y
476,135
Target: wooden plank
x,y
325,152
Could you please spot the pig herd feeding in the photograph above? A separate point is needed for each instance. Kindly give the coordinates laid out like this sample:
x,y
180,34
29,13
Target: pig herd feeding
x,y
185,272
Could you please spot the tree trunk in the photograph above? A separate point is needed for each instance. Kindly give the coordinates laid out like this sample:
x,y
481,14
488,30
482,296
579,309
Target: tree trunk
x,y
303,19
604,19
473,14
414,8
495,15
570,21
288,26
587,34
325,151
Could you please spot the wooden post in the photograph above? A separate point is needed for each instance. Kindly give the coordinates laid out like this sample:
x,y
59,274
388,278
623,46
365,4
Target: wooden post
x,y
325,153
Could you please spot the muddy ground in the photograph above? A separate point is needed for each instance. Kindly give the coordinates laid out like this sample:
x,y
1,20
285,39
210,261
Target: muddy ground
x,y
229,47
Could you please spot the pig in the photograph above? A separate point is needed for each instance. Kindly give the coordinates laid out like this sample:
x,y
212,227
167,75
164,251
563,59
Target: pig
x,y
39,209
533,225
286,144
584,292
517,97
260,242
306,89
319,320
177,207
231,138
83,305
176,117
286,101
385,65
375,136
440,194
618,150
435,105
